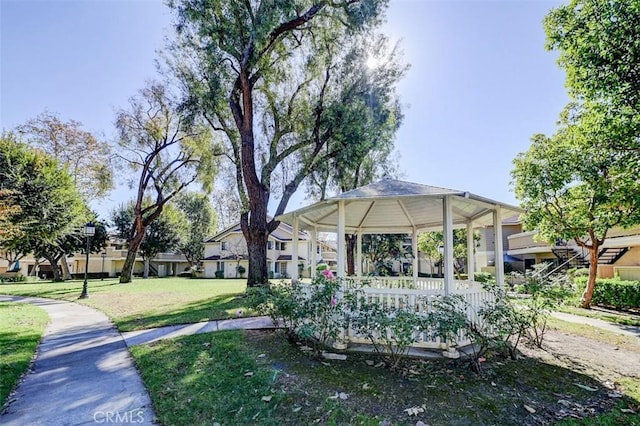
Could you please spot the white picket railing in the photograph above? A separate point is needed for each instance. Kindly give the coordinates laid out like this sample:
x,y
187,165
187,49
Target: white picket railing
x,y
404,293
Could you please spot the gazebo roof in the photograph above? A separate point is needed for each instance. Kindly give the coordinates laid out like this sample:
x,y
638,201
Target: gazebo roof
x,y
395,206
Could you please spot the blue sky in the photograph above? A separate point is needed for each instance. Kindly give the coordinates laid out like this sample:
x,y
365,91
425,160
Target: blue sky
x,y
480,84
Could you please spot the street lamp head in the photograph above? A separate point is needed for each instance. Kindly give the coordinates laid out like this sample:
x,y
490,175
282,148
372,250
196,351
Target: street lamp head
x,y
89,229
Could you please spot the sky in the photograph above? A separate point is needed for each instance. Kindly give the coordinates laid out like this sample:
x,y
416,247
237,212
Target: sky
x,y
480,84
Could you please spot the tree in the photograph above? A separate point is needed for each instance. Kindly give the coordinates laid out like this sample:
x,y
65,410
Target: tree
x,y
379,249
86,158
431,244
45,202
75,241
261,73
597,45
9,208
201,220
162,235
574,186
168,150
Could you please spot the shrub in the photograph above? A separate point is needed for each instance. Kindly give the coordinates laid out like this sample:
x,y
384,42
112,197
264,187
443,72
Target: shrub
x,y
219,274
391,331
321,267
241,270
613,292
483,277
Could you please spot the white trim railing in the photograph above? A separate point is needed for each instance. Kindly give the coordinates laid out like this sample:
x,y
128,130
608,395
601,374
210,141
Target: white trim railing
x,y
419,297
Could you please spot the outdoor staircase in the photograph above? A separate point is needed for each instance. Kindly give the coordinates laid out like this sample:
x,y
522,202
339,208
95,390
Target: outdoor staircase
x,y
570,257
609,256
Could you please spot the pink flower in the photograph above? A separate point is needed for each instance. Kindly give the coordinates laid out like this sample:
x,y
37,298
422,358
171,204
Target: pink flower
x,y
327,274
334,301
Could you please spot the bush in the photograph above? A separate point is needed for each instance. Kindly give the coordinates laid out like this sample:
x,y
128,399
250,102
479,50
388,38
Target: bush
x,y
219,274
483,277
613,292
241,270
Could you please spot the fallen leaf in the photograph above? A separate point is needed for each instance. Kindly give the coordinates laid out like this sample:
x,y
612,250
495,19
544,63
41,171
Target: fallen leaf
x,y
206,344
262,355
614,395
529,409
343,395
380,364
587,388
248,374
414,411
493,384
296,409
370,363
627,411
267,398
366,386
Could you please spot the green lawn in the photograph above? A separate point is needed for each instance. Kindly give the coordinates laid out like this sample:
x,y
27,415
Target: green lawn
x,y
21,327
254,377
149,303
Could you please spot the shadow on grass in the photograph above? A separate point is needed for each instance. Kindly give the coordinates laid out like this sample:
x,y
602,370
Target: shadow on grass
x,y
224,306
226,375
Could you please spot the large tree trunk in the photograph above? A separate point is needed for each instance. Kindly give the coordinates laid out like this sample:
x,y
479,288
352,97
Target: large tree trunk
x,y
66,274
593,273
129,263
351,241
257,275
54,268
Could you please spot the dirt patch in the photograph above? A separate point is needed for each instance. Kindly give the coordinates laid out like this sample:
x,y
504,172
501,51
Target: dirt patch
x,y
572,377
606,362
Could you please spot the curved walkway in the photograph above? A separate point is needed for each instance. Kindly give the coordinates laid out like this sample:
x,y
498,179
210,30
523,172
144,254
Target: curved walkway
x,y
83,373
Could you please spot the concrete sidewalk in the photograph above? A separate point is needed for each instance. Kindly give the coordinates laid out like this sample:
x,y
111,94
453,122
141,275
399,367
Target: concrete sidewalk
x,y
140,337
627,330
83,373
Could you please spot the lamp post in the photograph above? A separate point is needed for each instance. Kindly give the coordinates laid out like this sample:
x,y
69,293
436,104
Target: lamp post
x,y
103,255
89,231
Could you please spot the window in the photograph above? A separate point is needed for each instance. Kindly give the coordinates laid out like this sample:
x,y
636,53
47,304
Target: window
x,y
220,266
223,245
269,245
281,246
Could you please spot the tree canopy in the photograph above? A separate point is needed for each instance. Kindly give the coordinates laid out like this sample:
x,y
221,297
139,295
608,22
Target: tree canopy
x,y
86,157
44,201
201,223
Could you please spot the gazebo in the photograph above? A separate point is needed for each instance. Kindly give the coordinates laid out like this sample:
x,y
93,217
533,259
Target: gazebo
x,y
398,207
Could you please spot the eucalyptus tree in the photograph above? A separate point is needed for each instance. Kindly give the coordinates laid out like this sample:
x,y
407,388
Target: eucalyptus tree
x,y
364,123
85,156
263,74
201,222
166,151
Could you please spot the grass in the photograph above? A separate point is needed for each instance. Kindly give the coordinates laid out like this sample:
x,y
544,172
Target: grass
x,y
603,314
153,302
21,327
224,377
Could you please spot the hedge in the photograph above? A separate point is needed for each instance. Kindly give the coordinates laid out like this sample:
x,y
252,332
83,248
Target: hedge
x,y
613,292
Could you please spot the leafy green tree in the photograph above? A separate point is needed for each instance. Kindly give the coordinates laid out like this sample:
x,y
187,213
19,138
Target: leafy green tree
x,y
573,186
47,205
162,235
168,151
379,249
9,207
201,222
430,243
86,157
263,74
75,241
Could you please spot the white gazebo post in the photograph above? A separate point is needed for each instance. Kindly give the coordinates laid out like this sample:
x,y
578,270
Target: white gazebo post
x,y
341,241
294,249
414,248
447,219
314,251
471,261
498,251
359,253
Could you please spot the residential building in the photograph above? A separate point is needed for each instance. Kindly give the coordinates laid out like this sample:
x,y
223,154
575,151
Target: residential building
x,y
227,250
